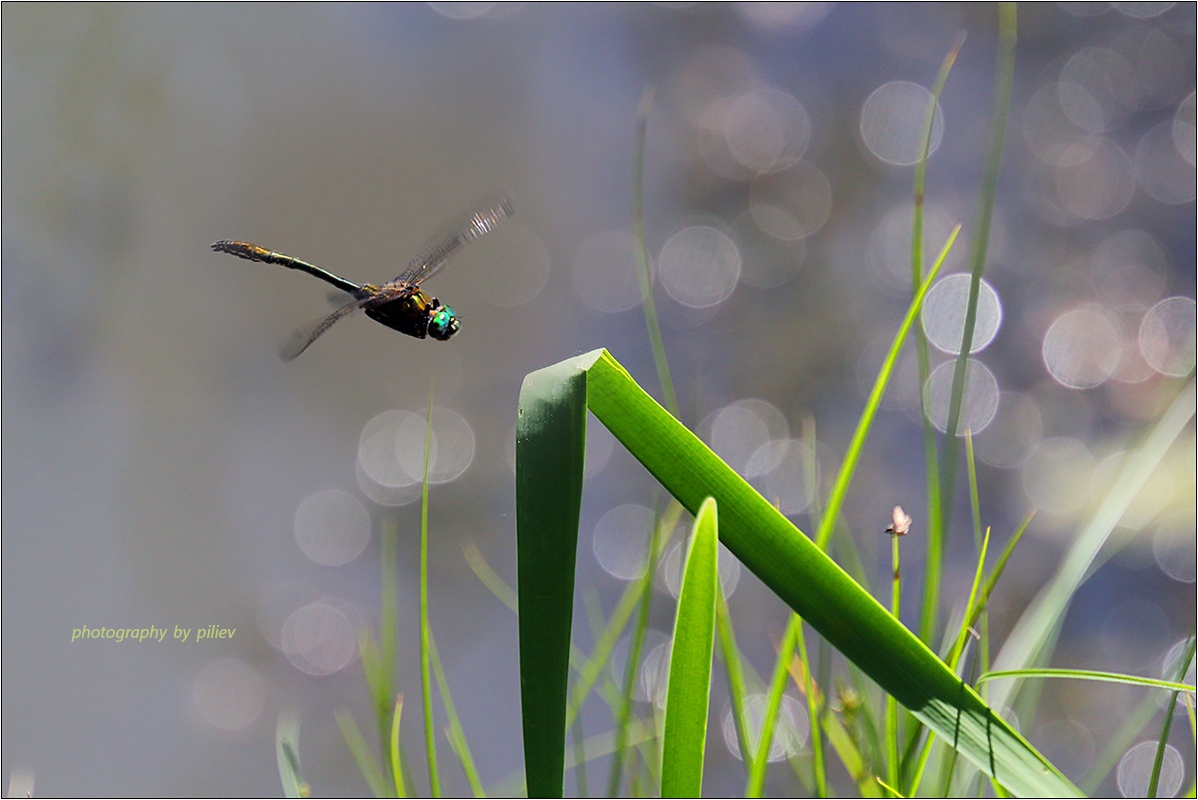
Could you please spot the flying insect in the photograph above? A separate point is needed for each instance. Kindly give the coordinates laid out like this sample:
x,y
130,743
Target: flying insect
x,y
400,303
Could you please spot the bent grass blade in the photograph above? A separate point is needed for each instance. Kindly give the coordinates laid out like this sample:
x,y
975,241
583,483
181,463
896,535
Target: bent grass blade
x,y
550,444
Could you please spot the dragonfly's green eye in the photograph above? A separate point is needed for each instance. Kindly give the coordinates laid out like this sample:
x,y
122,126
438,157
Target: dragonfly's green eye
x,y
444,323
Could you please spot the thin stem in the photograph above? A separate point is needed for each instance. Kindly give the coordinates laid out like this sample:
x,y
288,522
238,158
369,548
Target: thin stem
x,y
996,140
1154,779
814,714
769,720
388,628
892,747
426,681
935,526
634,660
644,274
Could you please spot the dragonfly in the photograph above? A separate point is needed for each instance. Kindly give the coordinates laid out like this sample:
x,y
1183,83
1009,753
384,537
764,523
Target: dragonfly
x,y
400,303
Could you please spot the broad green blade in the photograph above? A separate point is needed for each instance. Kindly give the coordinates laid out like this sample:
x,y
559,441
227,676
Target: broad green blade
x,y
550,435
550,439
687,700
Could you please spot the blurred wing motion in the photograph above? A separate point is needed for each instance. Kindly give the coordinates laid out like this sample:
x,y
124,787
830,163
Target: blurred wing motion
x,y
440,248
301,338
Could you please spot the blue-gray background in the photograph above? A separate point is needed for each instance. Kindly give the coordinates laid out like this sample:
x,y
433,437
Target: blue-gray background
x,y
155,451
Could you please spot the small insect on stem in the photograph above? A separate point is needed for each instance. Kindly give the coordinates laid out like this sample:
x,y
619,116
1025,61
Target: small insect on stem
x,y
900,524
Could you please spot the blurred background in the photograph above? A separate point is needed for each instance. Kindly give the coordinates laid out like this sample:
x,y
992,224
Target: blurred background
x,y
162,467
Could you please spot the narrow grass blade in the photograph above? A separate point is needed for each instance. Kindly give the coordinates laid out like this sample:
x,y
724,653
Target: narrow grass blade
x,y
684,742
287,752
995,143
1159,757
996,138
382,689
606,633
1130,729
1183,667
889,789
854,701
921,166
603,744
396,750
1088,675
935,525
1038,623
550,442
457,735
1131,726
644,273
372,669
361,752
388,608
975,500
845,476
973,607
426,634
578,739
489,577
632,668
605,642
378,684
839,736
848,750
765,738
997,572
736,677
958,647
963,633
597,746
814,704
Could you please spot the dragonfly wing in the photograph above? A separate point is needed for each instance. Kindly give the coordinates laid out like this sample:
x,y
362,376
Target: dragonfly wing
x,y
301,338
338,299
437,251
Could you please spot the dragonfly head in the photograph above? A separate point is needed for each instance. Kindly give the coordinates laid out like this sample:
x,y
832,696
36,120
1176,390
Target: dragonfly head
x,y
443,323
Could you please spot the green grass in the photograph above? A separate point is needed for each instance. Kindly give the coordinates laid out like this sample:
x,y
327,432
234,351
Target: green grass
x,y
551,428
900,717
684,738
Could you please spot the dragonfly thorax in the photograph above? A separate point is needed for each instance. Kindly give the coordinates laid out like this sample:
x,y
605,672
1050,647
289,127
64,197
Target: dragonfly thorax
x,y
416,314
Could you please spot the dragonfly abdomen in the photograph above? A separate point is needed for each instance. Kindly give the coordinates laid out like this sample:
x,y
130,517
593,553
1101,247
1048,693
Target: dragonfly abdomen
x,y
252,252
